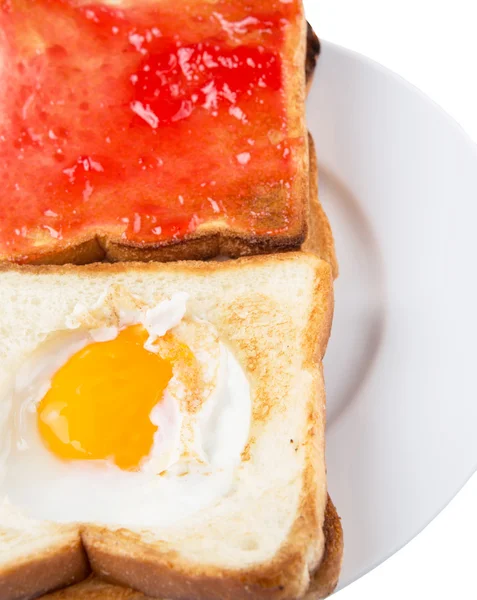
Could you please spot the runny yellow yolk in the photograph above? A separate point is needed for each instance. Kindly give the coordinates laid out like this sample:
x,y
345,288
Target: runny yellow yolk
x,y
99,402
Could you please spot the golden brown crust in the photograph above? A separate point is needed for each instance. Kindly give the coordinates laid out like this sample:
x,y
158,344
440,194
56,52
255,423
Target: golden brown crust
x,y
94,588
57,569
210,242
320,236
322,584
205,245
82,253
317,337
160,577
186,266
326,577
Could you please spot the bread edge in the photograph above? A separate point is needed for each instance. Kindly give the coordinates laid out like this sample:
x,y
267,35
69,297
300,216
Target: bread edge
x,y
62,566
320,240
323,583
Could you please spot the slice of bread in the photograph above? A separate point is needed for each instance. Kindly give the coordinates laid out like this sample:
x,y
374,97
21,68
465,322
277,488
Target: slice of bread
x,y
37,557
323,582
268,536
119,193
94,588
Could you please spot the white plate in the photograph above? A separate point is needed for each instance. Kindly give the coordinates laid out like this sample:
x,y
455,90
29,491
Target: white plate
x,y
398,179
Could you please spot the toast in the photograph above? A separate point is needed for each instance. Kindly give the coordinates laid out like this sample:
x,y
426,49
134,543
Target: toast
x,y
37,557
248,544
323,582
213,124
319,239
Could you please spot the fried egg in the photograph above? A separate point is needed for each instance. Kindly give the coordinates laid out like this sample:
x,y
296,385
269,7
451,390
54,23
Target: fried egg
x,y
132,414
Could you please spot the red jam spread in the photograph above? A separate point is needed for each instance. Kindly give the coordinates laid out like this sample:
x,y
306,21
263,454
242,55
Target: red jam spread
x,y
143,121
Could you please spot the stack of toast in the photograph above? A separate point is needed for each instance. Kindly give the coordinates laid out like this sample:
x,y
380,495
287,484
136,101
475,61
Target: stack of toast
x,y
166,286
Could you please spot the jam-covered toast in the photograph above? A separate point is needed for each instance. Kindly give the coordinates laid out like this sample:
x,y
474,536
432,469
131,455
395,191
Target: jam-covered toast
x,y
133,131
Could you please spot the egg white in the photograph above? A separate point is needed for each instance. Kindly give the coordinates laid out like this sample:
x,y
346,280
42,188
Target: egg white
x,y
194,455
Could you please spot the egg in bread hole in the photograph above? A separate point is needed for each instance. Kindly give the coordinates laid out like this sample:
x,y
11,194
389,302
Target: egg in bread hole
x,y
132,414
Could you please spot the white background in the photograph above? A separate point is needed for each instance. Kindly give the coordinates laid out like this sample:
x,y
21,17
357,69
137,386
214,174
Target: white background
x,y
432,44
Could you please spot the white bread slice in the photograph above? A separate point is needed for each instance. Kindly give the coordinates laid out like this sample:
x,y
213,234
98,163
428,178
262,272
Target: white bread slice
x,y
265,538
322,584
36,557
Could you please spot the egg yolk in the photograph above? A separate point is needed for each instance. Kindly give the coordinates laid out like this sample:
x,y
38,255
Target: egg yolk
x,y
99,402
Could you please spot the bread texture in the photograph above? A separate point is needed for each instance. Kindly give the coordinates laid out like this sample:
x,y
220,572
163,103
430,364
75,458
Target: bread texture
x,y
280,209
325,579
38,557
322,584
268,536
319,240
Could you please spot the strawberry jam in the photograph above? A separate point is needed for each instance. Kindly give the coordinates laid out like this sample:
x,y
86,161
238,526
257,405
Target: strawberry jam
x,y
143,121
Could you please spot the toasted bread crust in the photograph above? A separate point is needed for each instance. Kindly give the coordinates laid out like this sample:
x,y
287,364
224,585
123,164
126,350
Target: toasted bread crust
x,y
156,579
53,570
205,245
186,266
322,584
95,588
83,252
210,242
326,577
320,236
